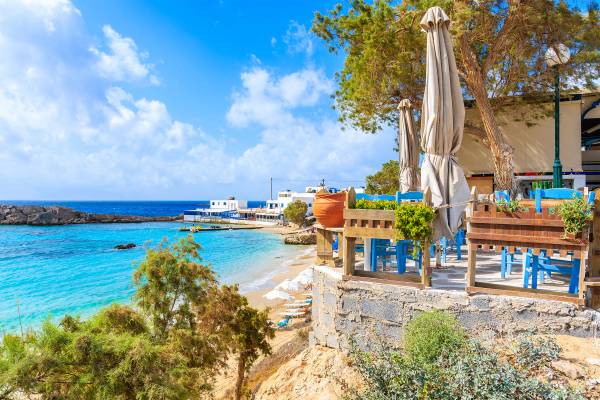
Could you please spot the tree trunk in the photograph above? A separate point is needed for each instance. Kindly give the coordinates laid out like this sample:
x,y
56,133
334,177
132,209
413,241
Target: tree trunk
x,y
241,372
502,152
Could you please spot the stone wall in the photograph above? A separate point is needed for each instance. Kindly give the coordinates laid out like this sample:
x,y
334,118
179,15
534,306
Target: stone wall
x,y
371,312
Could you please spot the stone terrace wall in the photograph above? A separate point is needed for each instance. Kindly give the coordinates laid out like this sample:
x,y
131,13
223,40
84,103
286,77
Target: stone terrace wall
x,y
371,312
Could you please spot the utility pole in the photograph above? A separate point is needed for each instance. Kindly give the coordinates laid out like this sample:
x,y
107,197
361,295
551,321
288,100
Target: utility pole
x,y
271,195
323,182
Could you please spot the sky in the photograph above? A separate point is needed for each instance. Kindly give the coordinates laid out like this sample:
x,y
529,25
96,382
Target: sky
x,y
128,100
160,100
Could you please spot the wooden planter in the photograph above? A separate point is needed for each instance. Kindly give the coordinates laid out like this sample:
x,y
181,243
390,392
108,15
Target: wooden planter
x,y
377,224
491,228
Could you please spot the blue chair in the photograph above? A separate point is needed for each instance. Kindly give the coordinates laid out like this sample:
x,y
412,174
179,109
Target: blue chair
x,y
537,267
375,197
559,194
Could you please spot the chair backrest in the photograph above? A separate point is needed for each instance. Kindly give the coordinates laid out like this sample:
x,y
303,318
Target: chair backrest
x,y
409,196
559,194
374,197
502,195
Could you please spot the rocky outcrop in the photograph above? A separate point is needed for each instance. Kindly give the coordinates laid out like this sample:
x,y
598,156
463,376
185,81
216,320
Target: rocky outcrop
x,y
301,238
125,246
58,215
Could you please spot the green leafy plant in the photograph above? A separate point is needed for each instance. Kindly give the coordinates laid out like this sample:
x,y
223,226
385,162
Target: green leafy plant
x,y
511,206
575,214
414,222
376,204
432,334
439,362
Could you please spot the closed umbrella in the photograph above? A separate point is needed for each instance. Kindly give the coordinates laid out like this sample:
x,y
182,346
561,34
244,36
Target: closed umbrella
x,y
408,150
442,123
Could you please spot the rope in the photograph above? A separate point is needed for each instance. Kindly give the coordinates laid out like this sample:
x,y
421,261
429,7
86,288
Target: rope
x,y
462,203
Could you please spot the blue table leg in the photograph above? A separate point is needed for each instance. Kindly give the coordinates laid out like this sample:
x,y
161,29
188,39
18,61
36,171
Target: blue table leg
x,y
534,271
374,255
526,269
574,281
401,256
509,262
444,246
503,263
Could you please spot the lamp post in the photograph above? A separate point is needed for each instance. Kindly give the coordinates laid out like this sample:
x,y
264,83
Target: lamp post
x,y
555,56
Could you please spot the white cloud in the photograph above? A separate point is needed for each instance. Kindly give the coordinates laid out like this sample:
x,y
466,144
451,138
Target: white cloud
x,y
124,61
268,100
298,39
70,131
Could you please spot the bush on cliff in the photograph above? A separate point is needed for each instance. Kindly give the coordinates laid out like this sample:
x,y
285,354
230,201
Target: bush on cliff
x,y
295,212
439,362
170,346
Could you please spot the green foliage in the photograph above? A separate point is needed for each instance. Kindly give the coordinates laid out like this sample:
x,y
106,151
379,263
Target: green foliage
x,y
385,50
296,212
386,180
576,214
449,367
532,352
172,285
511,206
375,204
171,346
432,335
414,222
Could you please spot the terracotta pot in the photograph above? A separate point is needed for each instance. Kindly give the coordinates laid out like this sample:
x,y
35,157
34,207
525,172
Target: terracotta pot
x,y
328,209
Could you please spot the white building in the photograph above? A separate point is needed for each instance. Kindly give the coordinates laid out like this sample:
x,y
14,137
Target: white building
x,y
227,208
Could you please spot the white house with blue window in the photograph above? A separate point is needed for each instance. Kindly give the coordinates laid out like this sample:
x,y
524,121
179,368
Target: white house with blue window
x,y
227,208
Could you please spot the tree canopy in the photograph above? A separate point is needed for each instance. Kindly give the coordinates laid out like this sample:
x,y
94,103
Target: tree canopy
x,y
499,47
384,181
295,212
171,346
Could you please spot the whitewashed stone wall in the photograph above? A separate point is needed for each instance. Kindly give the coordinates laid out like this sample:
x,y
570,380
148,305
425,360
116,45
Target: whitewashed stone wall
x,y
369,313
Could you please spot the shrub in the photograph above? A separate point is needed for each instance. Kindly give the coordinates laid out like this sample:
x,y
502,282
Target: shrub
x,y
295,212
438,362
364,204
531,352
414,222
431,335
575,214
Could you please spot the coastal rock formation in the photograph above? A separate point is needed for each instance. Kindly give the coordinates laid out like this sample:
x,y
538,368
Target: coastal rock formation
x,y
301,238
125,246
58,215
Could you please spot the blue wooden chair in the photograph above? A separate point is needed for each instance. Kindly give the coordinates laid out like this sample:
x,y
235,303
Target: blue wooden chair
x,y
537,267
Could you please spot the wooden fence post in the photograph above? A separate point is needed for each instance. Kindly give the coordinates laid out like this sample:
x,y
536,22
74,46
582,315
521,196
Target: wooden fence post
x,y
594,252
426,262
348,243
472,249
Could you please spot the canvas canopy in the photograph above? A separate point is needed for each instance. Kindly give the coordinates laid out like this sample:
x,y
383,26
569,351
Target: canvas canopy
x,y
408,150
442,123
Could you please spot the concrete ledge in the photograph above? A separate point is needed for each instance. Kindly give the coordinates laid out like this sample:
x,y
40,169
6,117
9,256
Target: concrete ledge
x,y
369,312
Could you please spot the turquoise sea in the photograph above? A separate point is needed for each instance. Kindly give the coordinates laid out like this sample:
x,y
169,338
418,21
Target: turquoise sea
x,y
58,270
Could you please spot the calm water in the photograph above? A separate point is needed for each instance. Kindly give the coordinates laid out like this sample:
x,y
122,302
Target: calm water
x,y
74,269
145,208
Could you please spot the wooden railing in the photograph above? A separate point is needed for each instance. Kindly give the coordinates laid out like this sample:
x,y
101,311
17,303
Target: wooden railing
x,y
377,224
492,229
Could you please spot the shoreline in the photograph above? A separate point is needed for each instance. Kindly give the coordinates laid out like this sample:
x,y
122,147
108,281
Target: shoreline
x,y
301,261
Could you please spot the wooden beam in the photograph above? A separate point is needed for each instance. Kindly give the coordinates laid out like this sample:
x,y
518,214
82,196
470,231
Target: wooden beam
x,y
472,249
361,277
505,290
349,255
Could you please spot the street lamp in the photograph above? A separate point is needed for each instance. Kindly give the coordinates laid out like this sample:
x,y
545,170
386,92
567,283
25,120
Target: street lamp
x,y
555,56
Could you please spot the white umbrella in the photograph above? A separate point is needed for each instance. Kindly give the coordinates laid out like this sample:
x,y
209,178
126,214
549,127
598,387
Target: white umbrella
x,y
442,123
407,148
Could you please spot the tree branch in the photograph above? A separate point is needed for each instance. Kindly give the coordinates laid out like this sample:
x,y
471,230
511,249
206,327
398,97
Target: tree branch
x,y
499,45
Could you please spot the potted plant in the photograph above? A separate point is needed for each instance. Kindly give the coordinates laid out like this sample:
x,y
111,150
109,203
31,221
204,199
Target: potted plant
x,y
576,215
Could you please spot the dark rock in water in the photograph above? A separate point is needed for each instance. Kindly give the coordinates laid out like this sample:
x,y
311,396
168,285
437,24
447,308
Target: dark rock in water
x,y
58,215
302,238
125,246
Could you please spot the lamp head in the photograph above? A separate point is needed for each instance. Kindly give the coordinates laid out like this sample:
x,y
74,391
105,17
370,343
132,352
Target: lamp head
x,y
557,55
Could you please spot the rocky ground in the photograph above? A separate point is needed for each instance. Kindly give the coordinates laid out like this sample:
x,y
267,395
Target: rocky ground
x,y
301,238
58,215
